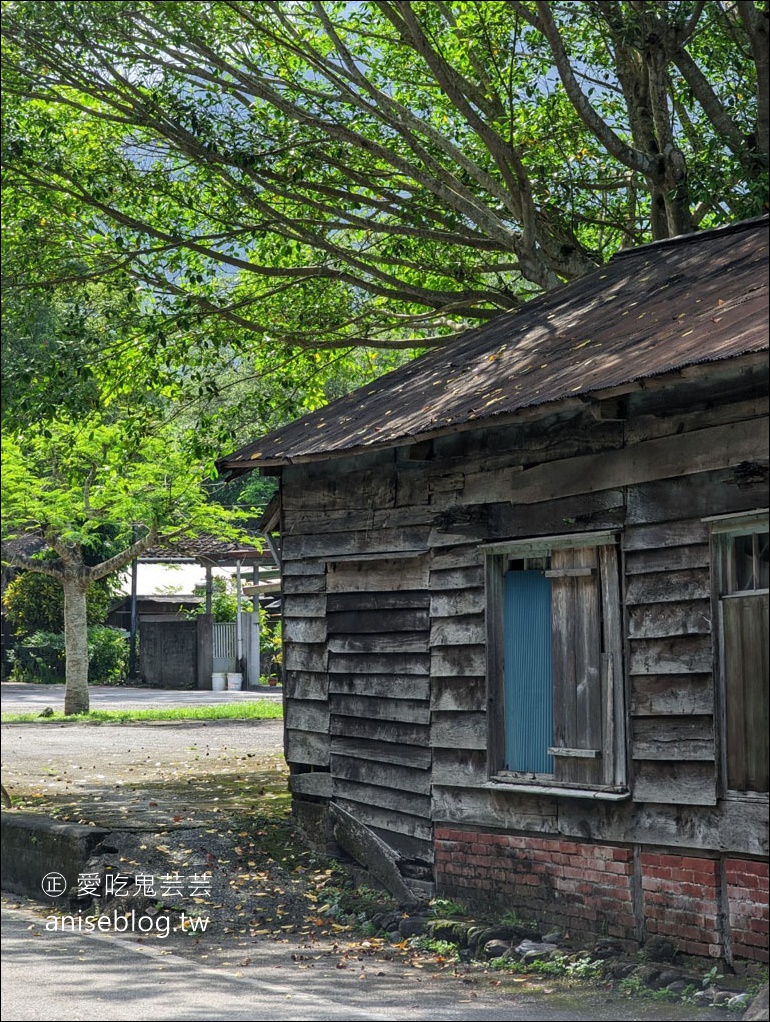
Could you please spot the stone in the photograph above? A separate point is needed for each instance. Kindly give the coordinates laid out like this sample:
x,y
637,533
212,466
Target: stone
x,y
659,949
757,1011
605,948
478,936
537,955
532,950
677,986
620,970
412,926
448,929
496,948
667,977
386,920
649,975
34,846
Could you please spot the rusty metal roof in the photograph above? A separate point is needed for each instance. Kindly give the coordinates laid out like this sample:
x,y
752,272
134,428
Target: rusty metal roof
x,y
698,298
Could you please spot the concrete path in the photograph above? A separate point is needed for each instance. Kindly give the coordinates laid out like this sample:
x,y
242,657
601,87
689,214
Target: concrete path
x,y
16,697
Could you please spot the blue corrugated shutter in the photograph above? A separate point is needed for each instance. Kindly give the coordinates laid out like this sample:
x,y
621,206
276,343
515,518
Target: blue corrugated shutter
x,y
528,688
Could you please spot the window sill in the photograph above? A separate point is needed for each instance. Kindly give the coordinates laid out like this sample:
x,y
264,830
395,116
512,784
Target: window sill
x,y
550,787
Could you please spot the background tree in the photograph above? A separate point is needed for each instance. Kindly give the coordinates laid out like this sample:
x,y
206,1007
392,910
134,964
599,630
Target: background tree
x,y
96,464
93,482
381,173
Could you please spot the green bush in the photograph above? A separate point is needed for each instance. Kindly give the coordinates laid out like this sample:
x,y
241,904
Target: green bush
x,y
40,657
107,655
224,600
270,644
35,604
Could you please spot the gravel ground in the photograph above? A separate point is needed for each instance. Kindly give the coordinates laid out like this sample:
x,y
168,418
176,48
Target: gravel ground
x,y
151,775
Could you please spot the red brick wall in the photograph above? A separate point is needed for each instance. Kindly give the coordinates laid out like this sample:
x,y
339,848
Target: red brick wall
x,y
747,892
584,889
588,890
681,901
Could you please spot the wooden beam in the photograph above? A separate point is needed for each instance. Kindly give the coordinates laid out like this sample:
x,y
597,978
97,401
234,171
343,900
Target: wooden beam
x,y
366,848
317,783
676,456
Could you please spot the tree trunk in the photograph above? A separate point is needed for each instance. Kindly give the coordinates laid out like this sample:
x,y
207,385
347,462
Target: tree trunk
x,y
75,646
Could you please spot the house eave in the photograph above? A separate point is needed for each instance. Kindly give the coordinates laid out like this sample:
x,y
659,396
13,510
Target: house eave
x,y
531,412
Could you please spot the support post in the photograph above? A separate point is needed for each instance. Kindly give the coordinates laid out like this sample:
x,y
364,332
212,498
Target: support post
x,y
238,622
132,664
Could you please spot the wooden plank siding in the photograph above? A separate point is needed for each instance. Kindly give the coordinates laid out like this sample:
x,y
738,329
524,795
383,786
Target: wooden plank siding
x,y
458,665
379,696
672,737
387,630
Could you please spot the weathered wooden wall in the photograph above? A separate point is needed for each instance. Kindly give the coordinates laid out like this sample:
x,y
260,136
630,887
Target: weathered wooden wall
x,y
384,603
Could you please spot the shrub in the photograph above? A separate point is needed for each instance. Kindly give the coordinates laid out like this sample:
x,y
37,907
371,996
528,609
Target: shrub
x,y
40,657
107,655
35,603
224,600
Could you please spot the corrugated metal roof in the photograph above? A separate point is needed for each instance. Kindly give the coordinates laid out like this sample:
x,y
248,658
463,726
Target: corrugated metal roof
x,y
698,298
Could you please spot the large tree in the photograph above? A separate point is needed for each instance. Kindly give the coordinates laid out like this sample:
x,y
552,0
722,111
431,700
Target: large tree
x,y
381,173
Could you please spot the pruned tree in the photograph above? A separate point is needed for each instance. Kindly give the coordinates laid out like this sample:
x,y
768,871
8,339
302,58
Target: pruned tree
x,y
386,172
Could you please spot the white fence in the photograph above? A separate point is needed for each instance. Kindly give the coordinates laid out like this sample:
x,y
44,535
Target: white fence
x,y
224,640
224,646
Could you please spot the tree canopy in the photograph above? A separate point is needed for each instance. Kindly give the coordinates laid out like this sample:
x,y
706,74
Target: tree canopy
x,y
95,483
317,174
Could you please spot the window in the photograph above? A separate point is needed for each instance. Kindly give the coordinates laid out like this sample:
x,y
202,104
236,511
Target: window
x,y
740,547
555,669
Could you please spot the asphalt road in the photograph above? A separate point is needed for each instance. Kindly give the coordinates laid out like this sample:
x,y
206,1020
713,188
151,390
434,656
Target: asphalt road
x,y
16,697
78,977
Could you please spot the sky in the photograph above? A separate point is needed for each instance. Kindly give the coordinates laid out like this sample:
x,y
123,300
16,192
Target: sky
x,y
169,578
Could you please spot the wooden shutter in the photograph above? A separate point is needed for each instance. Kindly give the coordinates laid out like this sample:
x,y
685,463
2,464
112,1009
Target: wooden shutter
x,y
578,703
745,653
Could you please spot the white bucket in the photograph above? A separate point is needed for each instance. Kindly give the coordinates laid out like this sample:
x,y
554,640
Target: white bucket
x,y
234,682
218,682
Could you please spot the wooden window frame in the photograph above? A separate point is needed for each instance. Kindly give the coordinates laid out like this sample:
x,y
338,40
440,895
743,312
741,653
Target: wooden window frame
x,y
614,753
724,529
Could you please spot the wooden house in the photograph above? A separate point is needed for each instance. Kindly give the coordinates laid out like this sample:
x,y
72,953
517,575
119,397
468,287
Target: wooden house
x,y
526,604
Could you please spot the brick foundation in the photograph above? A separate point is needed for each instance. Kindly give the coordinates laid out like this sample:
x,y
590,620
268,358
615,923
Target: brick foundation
x,y
681,901
747,893
582,888
593,890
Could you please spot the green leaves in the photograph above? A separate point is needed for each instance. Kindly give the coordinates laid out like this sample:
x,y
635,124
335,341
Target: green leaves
x,y
239,159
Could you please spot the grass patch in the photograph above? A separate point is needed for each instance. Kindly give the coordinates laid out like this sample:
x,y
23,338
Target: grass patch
x,y
571,966
260,709
444,908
